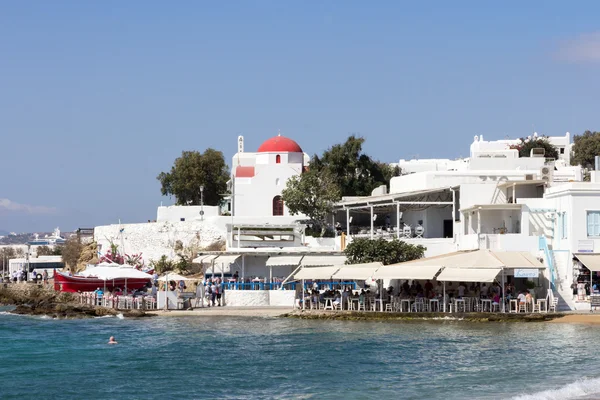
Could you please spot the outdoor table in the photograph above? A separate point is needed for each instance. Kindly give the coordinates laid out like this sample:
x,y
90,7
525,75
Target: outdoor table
x,y
545,303
375,301
516,304
329,303
486,302
468,303
437,304
407,301
457,302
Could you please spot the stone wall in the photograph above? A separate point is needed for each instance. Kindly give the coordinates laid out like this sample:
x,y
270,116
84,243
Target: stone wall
x,y
157,238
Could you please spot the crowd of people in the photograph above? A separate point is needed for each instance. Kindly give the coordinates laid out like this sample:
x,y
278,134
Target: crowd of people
x,y
416,290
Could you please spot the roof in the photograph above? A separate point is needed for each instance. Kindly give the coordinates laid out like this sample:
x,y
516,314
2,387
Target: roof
x,y
244,172
277,261
279,144
480,259
316,273
500,206
367,200
468,274
406,272
507,184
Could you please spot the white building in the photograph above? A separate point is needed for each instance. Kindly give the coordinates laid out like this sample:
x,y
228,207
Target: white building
x,y
259,178
494,200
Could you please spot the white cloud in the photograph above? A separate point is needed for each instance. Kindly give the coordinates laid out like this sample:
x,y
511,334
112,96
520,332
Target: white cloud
x,y
9,205
585,48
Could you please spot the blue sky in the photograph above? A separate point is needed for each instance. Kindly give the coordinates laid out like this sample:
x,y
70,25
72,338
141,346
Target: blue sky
x,y
97,98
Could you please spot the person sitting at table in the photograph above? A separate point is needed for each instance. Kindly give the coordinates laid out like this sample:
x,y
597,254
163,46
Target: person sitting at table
x,y
521,297
461,290
528,297
405,288
450,290
418,287
496,299
337,300
117,292
361,297
483,291
236,276
428,287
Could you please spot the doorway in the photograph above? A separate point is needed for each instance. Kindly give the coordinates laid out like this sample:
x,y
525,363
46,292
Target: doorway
x,y
448,228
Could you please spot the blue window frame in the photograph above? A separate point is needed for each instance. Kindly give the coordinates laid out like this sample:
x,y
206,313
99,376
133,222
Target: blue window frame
x,y
593,223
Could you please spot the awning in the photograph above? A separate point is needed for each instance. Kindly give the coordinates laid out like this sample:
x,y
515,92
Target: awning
x,y
518,259
406,272
324,260
277,261
468,274
355,273
480,259
316,273
590,261
204,259
227,259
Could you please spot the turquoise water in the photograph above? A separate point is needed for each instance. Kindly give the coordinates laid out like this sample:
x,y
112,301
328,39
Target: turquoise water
x,y
264,358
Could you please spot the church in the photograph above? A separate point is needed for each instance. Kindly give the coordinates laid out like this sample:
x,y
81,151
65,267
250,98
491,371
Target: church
x,y
259,178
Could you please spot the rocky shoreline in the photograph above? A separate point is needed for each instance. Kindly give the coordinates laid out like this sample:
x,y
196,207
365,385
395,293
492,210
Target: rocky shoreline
x,y
427,316
32,299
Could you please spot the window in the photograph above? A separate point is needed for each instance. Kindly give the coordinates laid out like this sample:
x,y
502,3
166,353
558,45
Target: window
x,y
562,150
593,223
277,205
182,219
278,159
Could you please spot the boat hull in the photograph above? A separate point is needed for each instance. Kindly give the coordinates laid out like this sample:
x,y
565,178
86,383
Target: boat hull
x,y
74,284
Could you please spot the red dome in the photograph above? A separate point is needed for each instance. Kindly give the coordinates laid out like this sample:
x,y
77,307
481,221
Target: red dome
x,y
279,144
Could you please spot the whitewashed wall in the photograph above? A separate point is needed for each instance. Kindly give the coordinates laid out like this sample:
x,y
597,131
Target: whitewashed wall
x,y
189,213
158,238
260,298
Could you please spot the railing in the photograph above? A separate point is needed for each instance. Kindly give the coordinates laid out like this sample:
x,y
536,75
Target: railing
x,y
332,284
258,285
549,259
286,286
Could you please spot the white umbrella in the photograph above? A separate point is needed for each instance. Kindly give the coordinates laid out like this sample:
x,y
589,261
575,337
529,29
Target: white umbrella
x,y
174,277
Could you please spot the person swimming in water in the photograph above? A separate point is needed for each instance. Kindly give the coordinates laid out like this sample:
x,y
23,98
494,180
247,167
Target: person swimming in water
x,y
112,340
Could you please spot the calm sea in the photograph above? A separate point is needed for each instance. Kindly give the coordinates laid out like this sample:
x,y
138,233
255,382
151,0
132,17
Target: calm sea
x,y
265,358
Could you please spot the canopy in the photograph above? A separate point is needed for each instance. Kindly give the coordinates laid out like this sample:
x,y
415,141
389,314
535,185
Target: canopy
x,y
316,273
591,261
324,260
227,259
406,272
480,259
204,259
116,272
468,274
173,277
355,273
277,261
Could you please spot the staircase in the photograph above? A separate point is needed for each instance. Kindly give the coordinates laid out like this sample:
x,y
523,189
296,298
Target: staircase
x,y
557,270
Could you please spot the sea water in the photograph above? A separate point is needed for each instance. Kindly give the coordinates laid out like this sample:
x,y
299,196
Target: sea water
x,y
272,358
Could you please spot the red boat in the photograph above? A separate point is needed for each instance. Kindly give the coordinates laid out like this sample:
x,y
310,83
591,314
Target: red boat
x,y
66,283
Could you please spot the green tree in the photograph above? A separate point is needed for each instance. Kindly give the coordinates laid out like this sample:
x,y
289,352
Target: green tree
x,y
313,194
526,145
364,250
162,265
192,170
585,148
355,173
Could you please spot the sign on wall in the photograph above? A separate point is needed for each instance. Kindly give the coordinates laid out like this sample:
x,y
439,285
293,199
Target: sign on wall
x,y
527,273
585,246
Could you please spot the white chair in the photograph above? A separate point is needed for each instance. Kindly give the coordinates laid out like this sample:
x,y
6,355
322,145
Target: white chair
x,y
554,304
388,307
